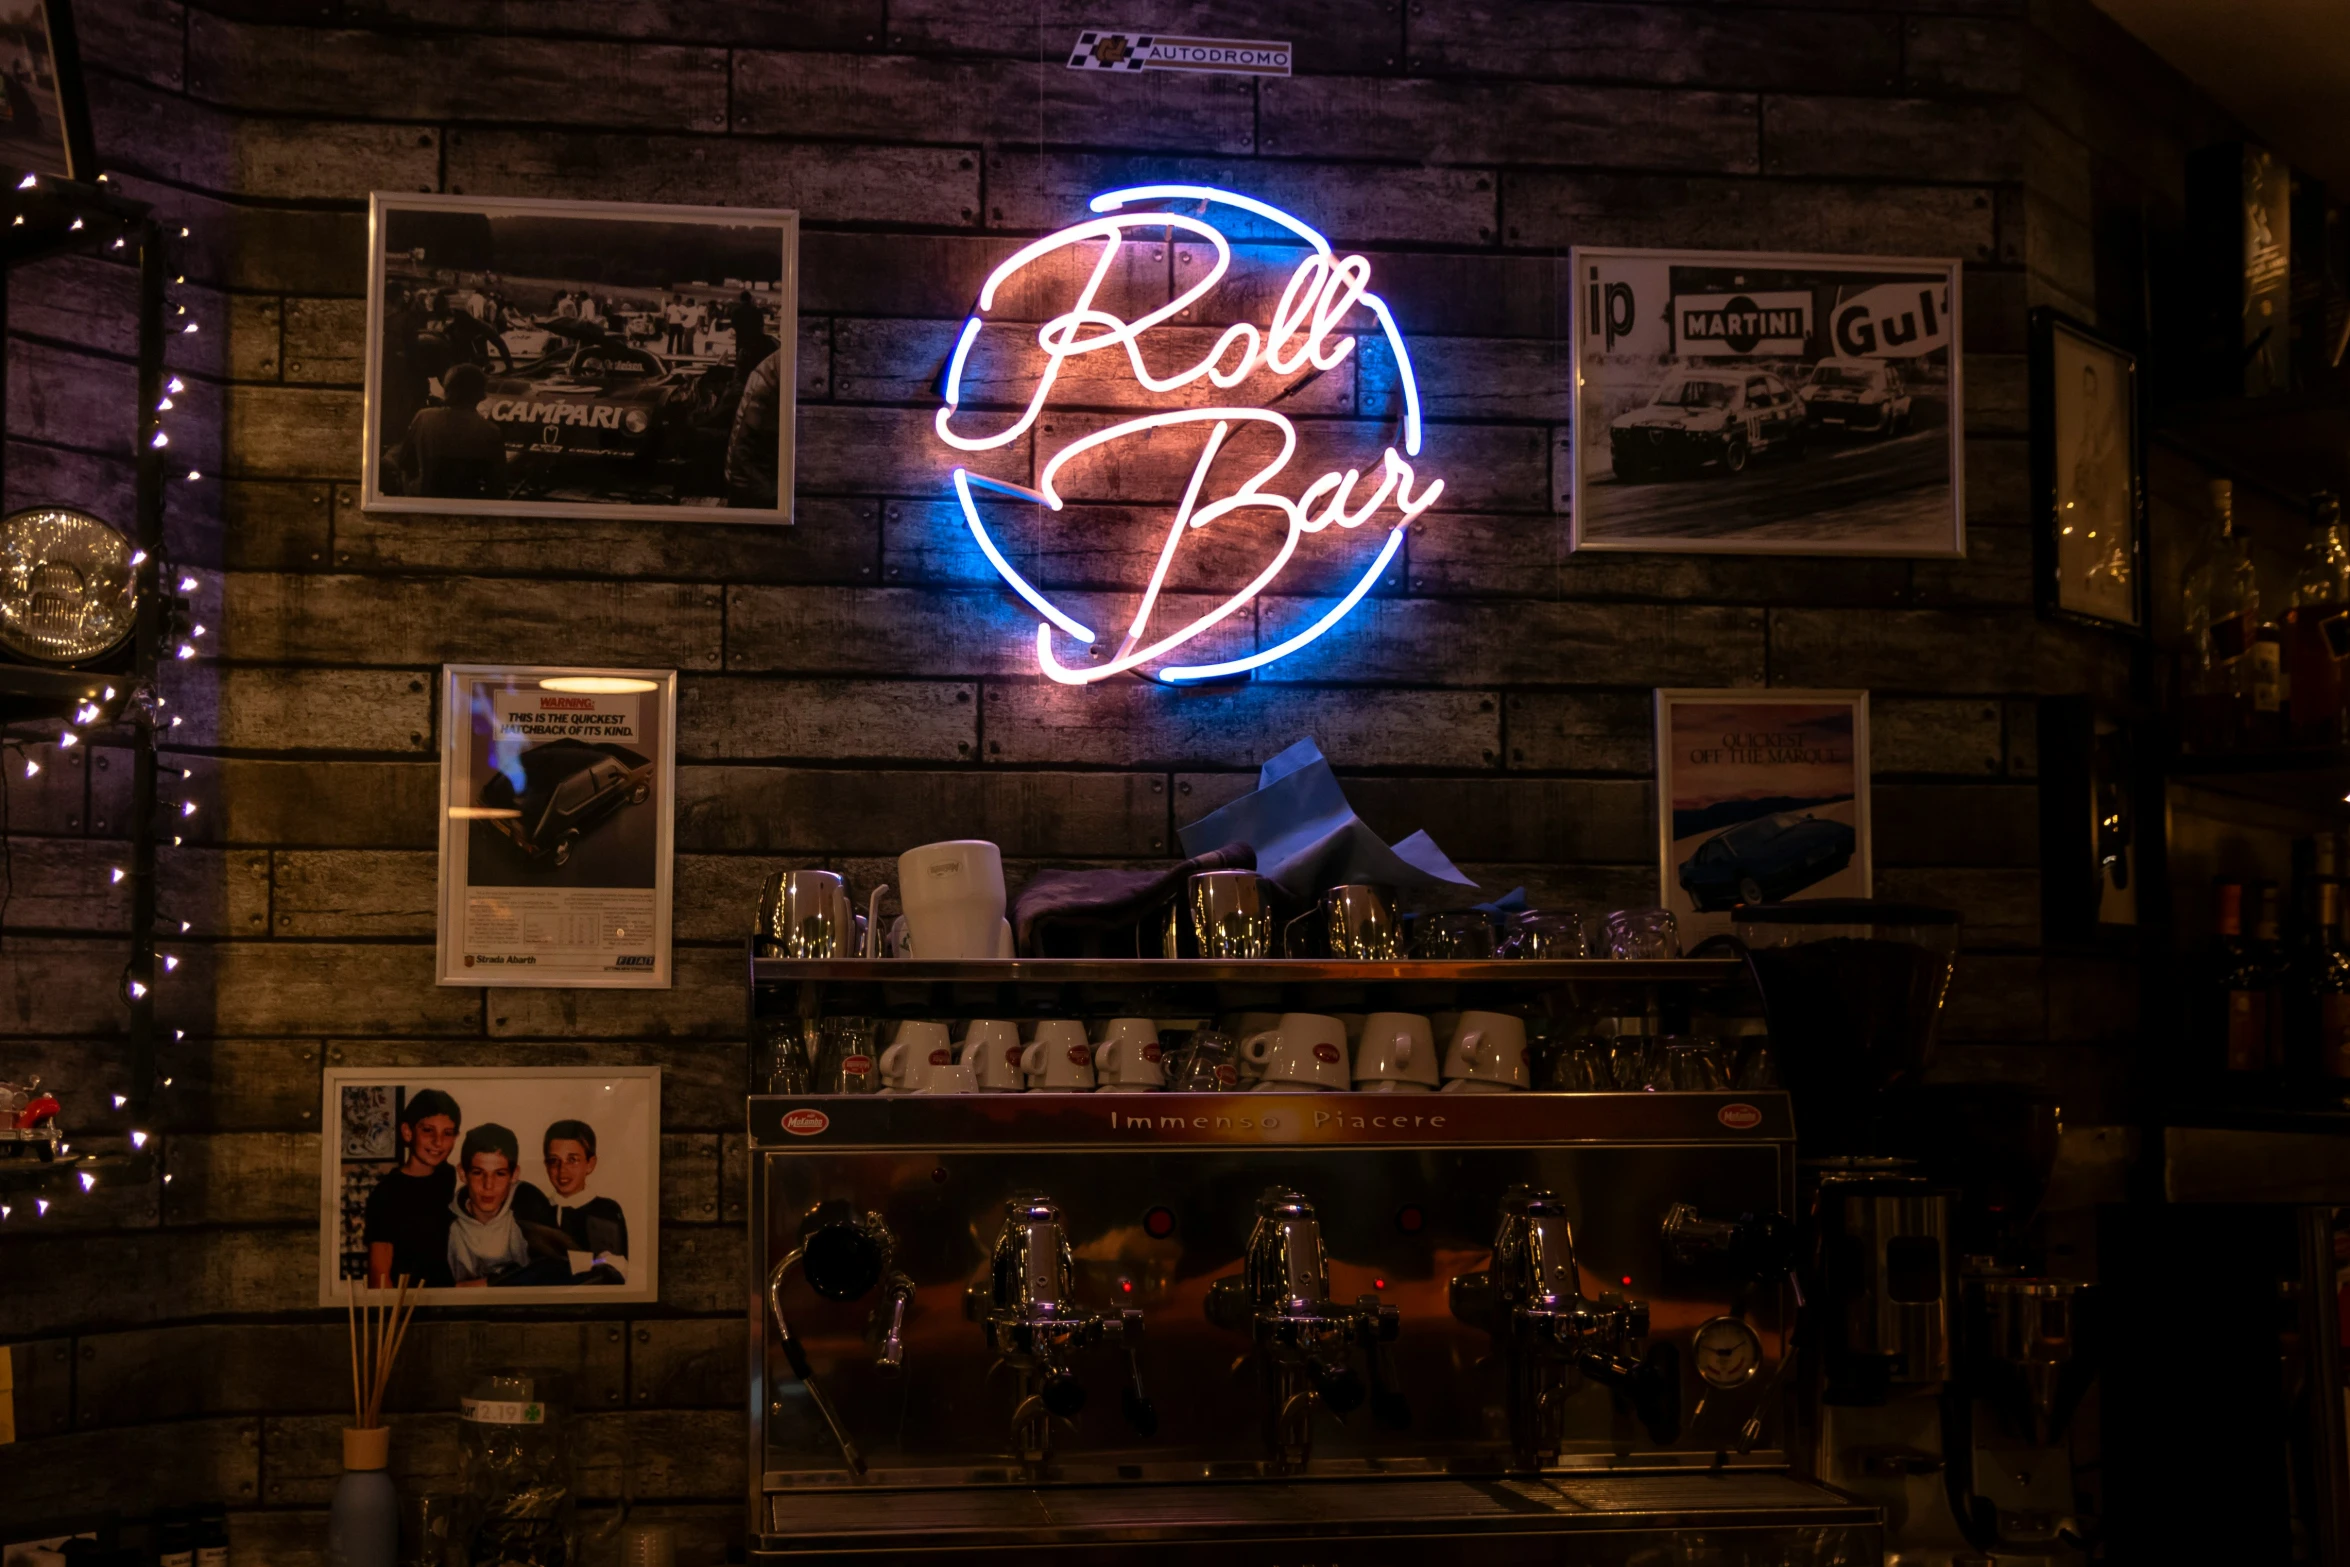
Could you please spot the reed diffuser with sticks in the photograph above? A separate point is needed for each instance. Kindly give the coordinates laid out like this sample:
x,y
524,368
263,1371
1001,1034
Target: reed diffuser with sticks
x,y
363,1529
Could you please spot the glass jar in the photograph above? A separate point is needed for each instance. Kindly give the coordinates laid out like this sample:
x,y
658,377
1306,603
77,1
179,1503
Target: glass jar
x,y
514,1463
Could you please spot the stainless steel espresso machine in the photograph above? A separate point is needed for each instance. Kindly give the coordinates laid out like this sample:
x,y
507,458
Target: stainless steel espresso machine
x,y
1273,1327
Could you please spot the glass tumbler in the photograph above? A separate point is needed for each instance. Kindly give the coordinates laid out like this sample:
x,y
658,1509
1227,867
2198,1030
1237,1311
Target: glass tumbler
x,y
1464,936
1643,933
1208,1063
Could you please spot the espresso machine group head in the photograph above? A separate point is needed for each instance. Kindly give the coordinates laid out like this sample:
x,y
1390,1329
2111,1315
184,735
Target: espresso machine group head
x,y
1304,1342
843,1254
1028,1312
1551,1336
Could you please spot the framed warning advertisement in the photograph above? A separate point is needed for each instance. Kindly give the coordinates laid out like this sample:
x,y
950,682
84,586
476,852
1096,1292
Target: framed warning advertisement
x,y
558,810
1767,404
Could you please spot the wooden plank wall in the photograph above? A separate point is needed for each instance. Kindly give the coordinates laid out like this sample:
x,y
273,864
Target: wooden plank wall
x,y
857,684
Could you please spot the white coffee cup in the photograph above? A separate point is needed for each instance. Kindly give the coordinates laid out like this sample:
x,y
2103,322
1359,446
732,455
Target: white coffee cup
x,y
1398,1051
1128,1055
1242,1024
953,895
991,1048
1487,1047
920,1046
1303,1050
1059,1059
951,1077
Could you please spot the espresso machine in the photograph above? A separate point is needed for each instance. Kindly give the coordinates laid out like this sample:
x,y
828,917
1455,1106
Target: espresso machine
x,y
1933,1378
1274,1327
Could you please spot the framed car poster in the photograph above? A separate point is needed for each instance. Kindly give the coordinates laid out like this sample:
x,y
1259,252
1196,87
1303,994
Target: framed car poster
x,y
1762,797
44,112
1759,404
580,359
2088,476
491,1185
558,814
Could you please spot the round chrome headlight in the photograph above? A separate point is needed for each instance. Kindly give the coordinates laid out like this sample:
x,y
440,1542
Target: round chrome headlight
x,y
68,591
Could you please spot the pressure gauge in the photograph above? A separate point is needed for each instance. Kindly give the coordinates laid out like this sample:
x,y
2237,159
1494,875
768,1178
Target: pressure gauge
x,y
1728,1352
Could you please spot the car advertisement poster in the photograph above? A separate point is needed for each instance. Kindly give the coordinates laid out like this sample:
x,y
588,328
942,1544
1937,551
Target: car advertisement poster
x,y
1766,404
570,359
558,807
1762,797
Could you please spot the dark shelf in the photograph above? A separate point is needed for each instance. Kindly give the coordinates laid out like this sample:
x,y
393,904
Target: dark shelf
x,y
1268,971
54,217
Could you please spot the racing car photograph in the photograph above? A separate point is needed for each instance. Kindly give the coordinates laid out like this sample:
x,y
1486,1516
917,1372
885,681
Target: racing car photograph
x,y
554,358
1763,797
1766,404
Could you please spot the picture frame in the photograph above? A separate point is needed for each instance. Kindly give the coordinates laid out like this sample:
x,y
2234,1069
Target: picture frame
x,y
1762,796
2093,815
605,337
575,1221
44,111
2088,476
1705,379
557,826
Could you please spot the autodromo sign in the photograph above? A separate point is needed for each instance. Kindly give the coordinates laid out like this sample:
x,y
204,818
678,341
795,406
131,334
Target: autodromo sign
x,y
1312,324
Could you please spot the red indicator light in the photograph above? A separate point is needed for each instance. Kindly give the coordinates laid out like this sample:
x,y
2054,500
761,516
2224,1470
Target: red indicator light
x,y
1408,1219
1159,1223
1378,1284
1627,1281
1127,1285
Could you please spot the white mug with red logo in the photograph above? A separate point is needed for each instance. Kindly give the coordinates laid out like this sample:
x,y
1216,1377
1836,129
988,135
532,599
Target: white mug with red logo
x,y
1128,1056
991,1048
1397,1054
1059,1059
906,1064
1303,1050
953,1077
1487,1054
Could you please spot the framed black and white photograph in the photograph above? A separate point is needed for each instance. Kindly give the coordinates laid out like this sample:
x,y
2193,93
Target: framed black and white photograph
x,y
1763,797
44,116
580,359
498,1186
558,820
1760,404
2088,476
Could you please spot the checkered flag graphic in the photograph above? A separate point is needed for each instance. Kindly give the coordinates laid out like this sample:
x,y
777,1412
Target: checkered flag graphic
x,y
1099,51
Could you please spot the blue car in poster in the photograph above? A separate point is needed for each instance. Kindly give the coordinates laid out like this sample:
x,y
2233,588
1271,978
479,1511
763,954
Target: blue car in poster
x,y
1765,860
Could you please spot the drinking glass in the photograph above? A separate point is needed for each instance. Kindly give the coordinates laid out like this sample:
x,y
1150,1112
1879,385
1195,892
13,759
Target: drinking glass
x,y
848,1050
780,1053
1463,936
1231,915
1643,933
1755,1068
1547,933
1581,1068
1688,1064
1208,1063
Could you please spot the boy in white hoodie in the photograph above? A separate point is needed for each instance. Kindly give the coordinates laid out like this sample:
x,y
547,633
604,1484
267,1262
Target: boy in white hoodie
x,y
484,1239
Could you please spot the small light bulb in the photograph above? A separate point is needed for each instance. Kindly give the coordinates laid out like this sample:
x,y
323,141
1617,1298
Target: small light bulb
x,y
175,384
198,631
68,738
118,244
193,476
187,807
110,693
5,1210
89,1181
32,769
138,1139
161,439
184,927
178,1034
164,406
175,720
120,1101
40,1204
190,327
183,231
175,842
74,226
138,991
170,963
186,651
187,585
117,876
167,1177
138,557
167,1082
28,182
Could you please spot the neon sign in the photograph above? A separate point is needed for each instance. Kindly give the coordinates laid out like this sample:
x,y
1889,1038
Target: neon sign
x,y
1306,329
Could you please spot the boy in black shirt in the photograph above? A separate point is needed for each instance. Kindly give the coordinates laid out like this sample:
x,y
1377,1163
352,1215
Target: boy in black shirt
x,y
595,1226
408,1212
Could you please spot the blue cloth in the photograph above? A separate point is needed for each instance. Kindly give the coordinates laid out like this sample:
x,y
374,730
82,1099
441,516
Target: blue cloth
x,y
1307,837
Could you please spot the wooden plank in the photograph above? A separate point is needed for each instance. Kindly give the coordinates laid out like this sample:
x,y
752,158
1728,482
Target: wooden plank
x,y
829,631
54,800
1963,54
1998,395
833,540
272,526
1086,545
807,24
69,398
734,1166
1996,997
2023,739
256,331
156,1274
249,156
1595,889
241,1178
1517,556
690,1363
1344,36
1445,206
1577,820
43,1371
285,432
1677,45
1581,731
1521,642
142,39
822,182
413,620
345,805
1956,824
1892,138
706,1002
1934,735
301,988
1472,378
701,1080
417,75
69,1480
704,1267
56,987
895,451
1996,907
938,276
303,1455
291,250
1131,723
66,884
717,895
899,360
919,98
849,810
689,1177
326,341
329,893
673,1455
275,709
1997,569
1516,122
1935,650
1558,209
240,1085
732,718
88,301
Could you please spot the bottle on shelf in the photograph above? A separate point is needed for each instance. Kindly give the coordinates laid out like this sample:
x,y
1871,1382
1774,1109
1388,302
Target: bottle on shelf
x,y
2222,623
2323,989
2242,979
2317,629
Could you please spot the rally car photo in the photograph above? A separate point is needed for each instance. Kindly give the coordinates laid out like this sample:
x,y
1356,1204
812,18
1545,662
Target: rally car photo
x,y
1857,394
1765,860
1707,420
603,408
568,786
